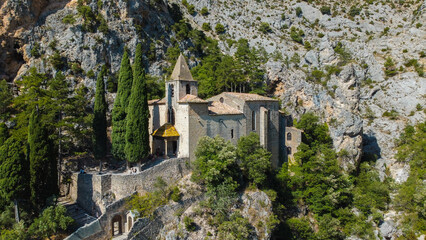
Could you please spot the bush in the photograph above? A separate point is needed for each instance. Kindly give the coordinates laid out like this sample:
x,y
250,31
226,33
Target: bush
x,y
296,35
219,28
176,195
206,27
299,12
325,10
392,114
189,224
390,69
191,9
35,51
237,227
68,19
354,11
57,61
90,74
51,221
204,11
264,27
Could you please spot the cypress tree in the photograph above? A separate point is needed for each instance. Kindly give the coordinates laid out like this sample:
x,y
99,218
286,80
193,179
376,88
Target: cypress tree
x,y
43,171
137,137
4,134
99,119
13,171
119,111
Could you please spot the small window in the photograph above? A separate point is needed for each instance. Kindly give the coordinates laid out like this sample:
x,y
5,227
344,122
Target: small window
x,y
221,99
232,133
289,150
288,136
253,120
188,89
172,90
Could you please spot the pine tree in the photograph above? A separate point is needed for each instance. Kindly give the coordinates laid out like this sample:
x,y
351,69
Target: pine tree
x,y
99,120
119,111
43,171
137,137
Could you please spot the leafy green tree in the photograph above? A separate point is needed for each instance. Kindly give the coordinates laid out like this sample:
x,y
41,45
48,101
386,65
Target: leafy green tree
x,y
100,138
137,136
255,160
4,133
52,220
237,227
121,102
5,98
13,171
43,171
300,229
219,28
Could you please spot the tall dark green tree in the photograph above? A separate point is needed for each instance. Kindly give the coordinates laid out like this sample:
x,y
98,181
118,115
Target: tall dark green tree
x,y
137,137
121,102
5,98
14,172
100,138
4,133
43,171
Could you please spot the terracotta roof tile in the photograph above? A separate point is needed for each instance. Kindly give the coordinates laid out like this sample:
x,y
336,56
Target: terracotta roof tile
x,y
249,97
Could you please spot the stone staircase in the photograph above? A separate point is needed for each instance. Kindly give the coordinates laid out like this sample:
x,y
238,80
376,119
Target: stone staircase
x,y
80,216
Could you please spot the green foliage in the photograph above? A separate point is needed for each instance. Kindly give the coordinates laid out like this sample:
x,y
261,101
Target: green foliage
x,y
343,53
121,102
390,68
137,136
316,75
265,28
189,224
300,229
219,28
354,11
325,10
296,35
35,51
5,99
89,18
14,171
52,220
255,160
43,168
100,138
155,87
176,195
68,19
90,73
393,115
4,133
103,26
57,61
204,11
299,12
206,27
237,227
417,66
295,59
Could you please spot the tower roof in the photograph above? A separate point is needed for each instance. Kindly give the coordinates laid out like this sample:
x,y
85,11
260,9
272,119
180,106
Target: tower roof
x,y
181,70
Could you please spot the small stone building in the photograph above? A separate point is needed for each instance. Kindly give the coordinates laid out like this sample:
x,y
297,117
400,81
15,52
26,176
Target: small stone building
x,y
181,118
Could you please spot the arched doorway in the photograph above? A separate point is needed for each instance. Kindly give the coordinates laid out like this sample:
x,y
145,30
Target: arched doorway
x,y
116,225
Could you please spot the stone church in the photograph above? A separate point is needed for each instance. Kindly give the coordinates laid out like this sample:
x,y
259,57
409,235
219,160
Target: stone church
x,y
181,118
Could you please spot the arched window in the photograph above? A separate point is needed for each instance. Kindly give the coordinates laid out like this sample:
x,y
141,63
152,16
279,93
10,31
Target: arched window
x,y
288,136
188,89
288,150
253,120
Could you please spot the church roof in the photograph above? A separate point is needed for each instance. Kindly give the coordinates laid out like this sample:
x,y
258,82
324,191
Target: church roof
x,y
157,101
167,130
250,97
218,108
181,70
191,99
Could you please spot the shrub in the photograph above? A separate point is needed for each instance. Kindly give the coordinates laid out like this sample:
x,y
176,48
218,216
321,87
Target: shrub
x,y
57,61
189,224
90,74
206,26
354,11
344,55
76,68
419,107
325,10
264,27
390,69
299,12
35,51
219,28
176,195
307,45
296,35
392,114
191,9
237,227
204,11
68,19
